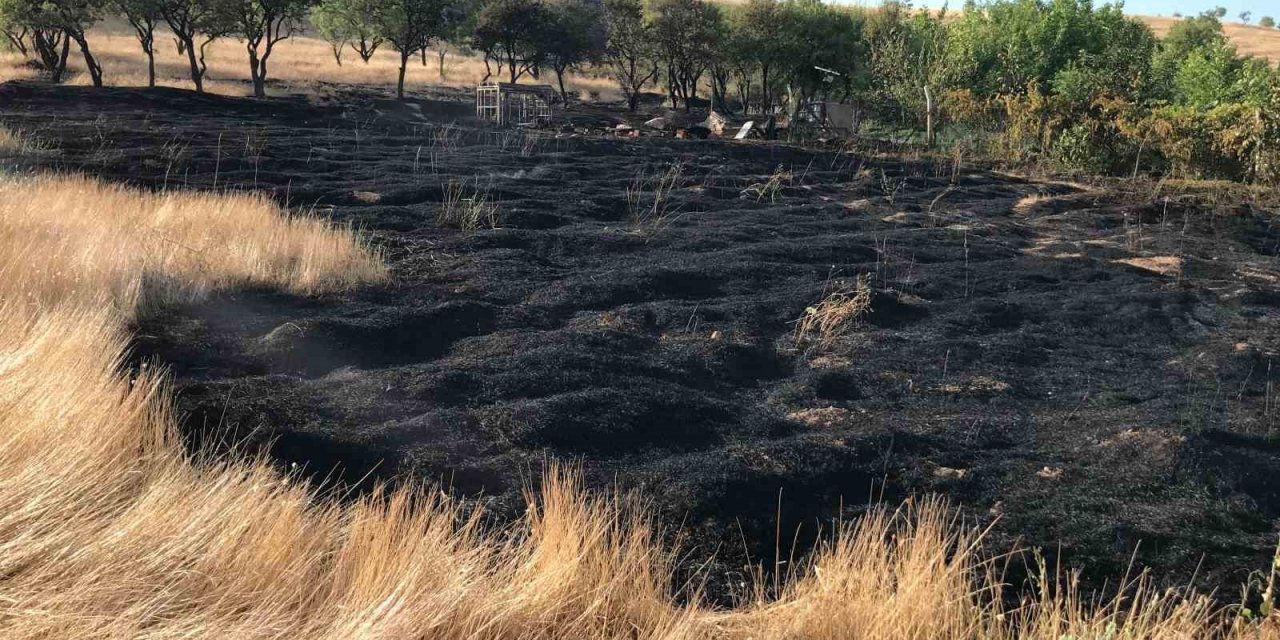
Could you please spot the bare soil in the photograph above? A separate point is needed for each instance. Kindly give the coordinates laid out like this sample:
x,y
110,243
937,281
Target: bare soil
x,y
1088,367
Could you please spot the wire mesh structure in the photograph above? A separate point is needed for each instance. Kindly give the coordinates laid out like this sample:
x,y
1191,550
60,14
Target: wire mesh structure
x,y
508,104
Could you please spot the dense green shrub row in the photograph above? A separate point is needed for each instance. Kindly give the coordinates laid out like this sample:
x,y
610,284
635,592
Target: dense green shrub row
x,y
1061,82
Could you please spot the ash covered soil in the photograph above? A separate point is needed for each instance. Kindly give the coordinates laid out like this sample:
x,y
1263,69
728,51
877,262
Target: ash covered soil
x,y
1089,367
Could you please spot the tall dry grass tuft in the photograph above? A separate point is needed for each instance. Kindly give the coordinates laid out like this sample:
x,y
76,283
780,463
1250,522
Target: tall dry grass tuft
x,y
834,315
17,142
75,241
110,529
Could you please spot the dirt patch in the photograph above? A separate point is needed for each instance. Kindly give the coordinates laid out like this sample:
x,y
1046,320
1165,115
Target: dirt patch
x,y
1017,359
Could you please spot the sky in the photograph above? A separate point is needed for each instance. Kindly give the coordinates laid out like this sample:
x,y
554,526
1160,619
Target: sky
x,y
1234,7
1155,7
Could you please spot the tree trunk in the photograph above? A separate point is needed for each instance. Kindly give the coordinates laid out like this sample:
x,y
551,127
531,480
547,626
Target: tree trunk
x,y
564,95
337,52
46,44
441,52
511,64
197,74
766,98
61,67
255,73
404,63
150,49
90,63
424,56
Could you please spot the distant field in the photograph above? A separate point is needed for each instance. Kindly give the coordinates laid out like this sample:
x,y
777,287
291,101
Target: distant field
x,y
1249,39
305,64
299,64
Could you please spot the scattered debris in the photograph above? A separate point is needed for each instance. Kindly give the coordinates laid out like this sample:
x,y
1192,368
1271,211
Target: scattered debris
x,y
1161,265
978,386
1050,473
658,123
820,416
716,123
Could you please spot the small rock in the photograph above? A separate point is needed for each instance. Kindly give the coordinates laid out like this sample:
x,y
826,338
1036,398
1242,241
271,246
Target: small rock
x,y
949,473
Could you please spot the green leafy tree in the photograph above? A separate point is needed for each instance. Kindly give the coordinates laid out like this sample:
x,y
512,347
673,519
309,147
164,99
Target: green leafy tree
x,y
513,34
348,23
629,50
573,36
16,37
819,52
459,25
192,20
263,24
687,35
54,25
143,16
1267,21
1208,77
409,26
762,46
908,53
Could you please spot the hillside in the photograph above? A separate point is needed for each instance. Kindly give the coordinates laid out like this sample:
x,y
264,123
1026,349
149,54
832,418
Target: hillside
x,y
1250,40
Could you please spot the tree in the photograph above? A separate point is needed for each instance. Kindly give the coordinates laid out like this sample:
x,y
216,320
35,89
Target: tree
x,y
761,45
190,20
142,16
1267,21
687,34
1219,12
16,35
819,51
48,40
351,23
409,27
263,24
1184,38
1245,16
514,34
459,25
629,50
573,35
54,25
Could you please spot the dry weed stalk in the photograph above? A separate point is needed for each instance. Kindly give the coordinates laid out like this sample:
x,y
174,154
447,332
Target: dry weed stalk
x,y
838,312
771,188
649,200
18,142
467,207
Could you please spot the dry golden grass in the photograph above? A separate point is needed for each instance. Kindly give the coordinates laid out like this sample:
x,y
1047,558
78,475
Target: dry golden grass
x,y
835,314
1250,40
300,64
18,142
104,243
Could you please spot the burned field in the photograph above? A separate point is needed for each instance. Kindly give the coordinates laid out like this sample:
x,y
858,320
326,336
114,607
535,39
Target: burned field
x,y
1089,367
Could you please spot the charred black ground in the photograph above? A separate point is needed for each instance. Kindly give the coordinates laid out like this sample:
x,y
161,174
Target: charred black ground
x,y
1010,359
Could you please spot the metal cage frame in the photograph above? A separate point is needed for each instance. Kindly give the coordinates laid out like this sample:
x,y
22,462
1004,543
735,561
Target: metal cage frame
x,y
508,104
